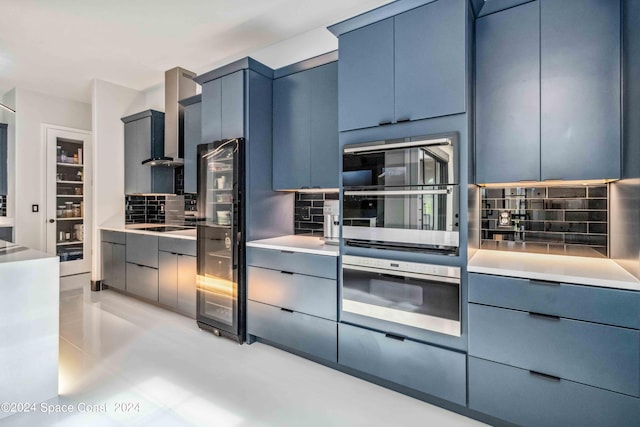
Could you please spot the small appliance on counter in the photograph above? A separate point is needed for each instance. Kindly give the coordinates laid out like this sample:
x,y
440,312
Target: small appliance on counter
x,y
331,212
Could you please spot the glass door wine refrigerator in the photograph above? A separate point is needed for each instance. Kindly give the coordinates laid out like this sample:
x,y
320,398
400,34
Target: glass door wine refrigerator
x,y
220,266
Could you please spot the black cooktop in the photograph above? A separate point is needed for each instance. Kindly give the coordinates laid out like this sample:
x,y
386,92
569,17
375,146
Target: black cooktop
x,y
165,228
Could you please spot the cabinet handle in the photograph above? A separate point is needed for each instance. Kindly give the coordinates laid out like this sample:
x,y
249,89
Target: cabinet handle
x,y
394,337
406,119
140,265
286,310
304,187
544,316
287,272
543,282
546,376
286,252
553,179
385,123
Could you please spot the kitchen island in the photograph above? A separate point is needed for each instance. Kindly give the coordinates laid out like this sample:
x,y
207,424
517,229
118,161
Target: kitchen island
x,y
29,323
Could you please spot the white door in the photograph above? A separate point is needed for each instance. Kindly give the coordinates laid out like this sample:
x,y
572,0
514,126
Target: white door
x,y
68,198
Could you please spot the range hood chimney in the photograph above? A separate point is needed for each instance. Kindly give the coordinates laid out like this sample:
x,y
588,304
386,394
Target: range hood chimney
x,y
178,84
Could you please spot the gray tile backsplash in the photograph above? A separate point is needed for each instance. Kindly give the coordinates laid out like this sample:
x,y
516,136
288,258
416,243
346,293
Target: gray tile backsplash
x,y
3,205
555,220
308,217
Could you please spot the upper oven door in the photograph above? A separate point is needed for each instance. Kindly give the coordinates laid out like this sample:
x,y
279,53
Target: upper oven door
x,y
400,163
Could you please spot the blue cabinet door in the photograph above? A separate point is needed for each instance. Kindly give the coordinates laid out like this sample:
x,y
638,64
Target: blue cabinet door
x,y
192,137
324,151
365,89
580,89
291,131
212,111
508,95
232,107
430,60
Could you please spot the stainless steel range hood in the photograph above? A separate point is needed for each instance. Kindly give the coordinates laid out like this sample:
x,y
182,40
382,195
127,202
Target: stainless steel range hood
x,y
178,84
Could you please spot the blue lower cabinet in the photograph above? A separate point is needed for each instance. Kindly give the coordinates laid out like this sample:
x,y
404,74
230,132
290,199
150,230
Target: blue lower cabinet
x,y
589,353
294,262
307,334
432,370
306,294
142,281
531,399
590,303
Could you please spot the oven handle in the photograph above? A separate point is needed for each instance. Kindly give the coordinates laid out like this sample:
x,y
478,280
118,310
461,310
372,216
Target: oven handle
x,y
378,147
443,279
395,192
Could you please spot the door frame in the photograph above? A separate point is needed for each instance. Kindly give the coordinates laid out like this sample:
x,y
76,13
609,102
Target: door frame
x,y
53,131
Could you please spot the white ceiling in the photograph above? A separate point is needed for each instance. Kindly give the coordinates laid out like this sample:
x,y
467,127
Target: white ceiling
x,y
59,46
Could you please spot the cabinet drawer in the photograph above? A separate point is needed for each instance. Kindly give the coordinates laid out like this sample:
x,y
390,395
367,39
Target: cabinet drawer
x,y
294,262
526,399
142,249
177,246
308,334
432,370
589,353
601,305
114,237
142,281
298,292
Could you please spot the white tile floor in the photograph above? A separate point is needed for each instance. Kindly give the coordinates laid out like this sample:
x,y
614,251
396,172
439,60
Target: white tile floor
x,y
116,350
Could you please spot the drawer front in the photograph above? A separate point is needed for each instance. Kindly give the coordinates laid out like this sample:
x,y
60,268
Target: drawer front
x,y
601,305
518,396
119,267
114,237
589,353
422,367
142,281
168,279
298,292
142,249
177,246
308,334
294,262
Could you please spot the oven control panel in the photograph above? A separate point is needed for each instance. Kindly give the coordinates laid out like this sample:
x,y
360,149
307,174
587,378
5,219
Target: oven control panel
x,y
401,266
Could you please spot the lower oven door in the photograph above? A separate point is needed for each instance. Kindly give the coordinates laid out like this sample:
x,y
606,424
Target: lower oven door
x,y
401,301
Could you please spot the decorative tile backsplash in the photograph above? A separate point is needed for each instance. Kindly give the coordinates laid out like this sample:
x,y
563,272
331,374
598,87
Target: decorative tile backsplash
x,y
3,205
140,209
554,220
308,217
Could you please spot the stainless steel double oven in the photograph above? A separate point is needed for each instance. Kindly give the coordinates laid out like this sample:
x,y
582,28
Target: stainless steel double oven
x,y
402,194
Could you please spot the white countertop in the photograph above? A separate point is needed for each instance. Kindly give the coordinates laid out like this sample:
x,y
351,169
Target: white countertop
x,y
556,268
10,253
116,225
6,221
306,244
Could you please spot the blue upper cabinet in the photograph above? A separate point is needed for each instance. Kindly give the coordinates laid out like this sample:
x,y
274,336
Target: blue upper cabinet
x,y
324,154
192,137
223,108
410,66
365,87
548,92
508,95
580,71
430,60
291,125
305,126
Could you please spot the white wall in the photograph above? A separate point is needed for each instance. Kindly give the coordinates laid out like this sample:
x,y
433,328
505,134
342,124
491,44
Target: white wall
x,y
298,48
151,98
32,110
110,103
9,99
